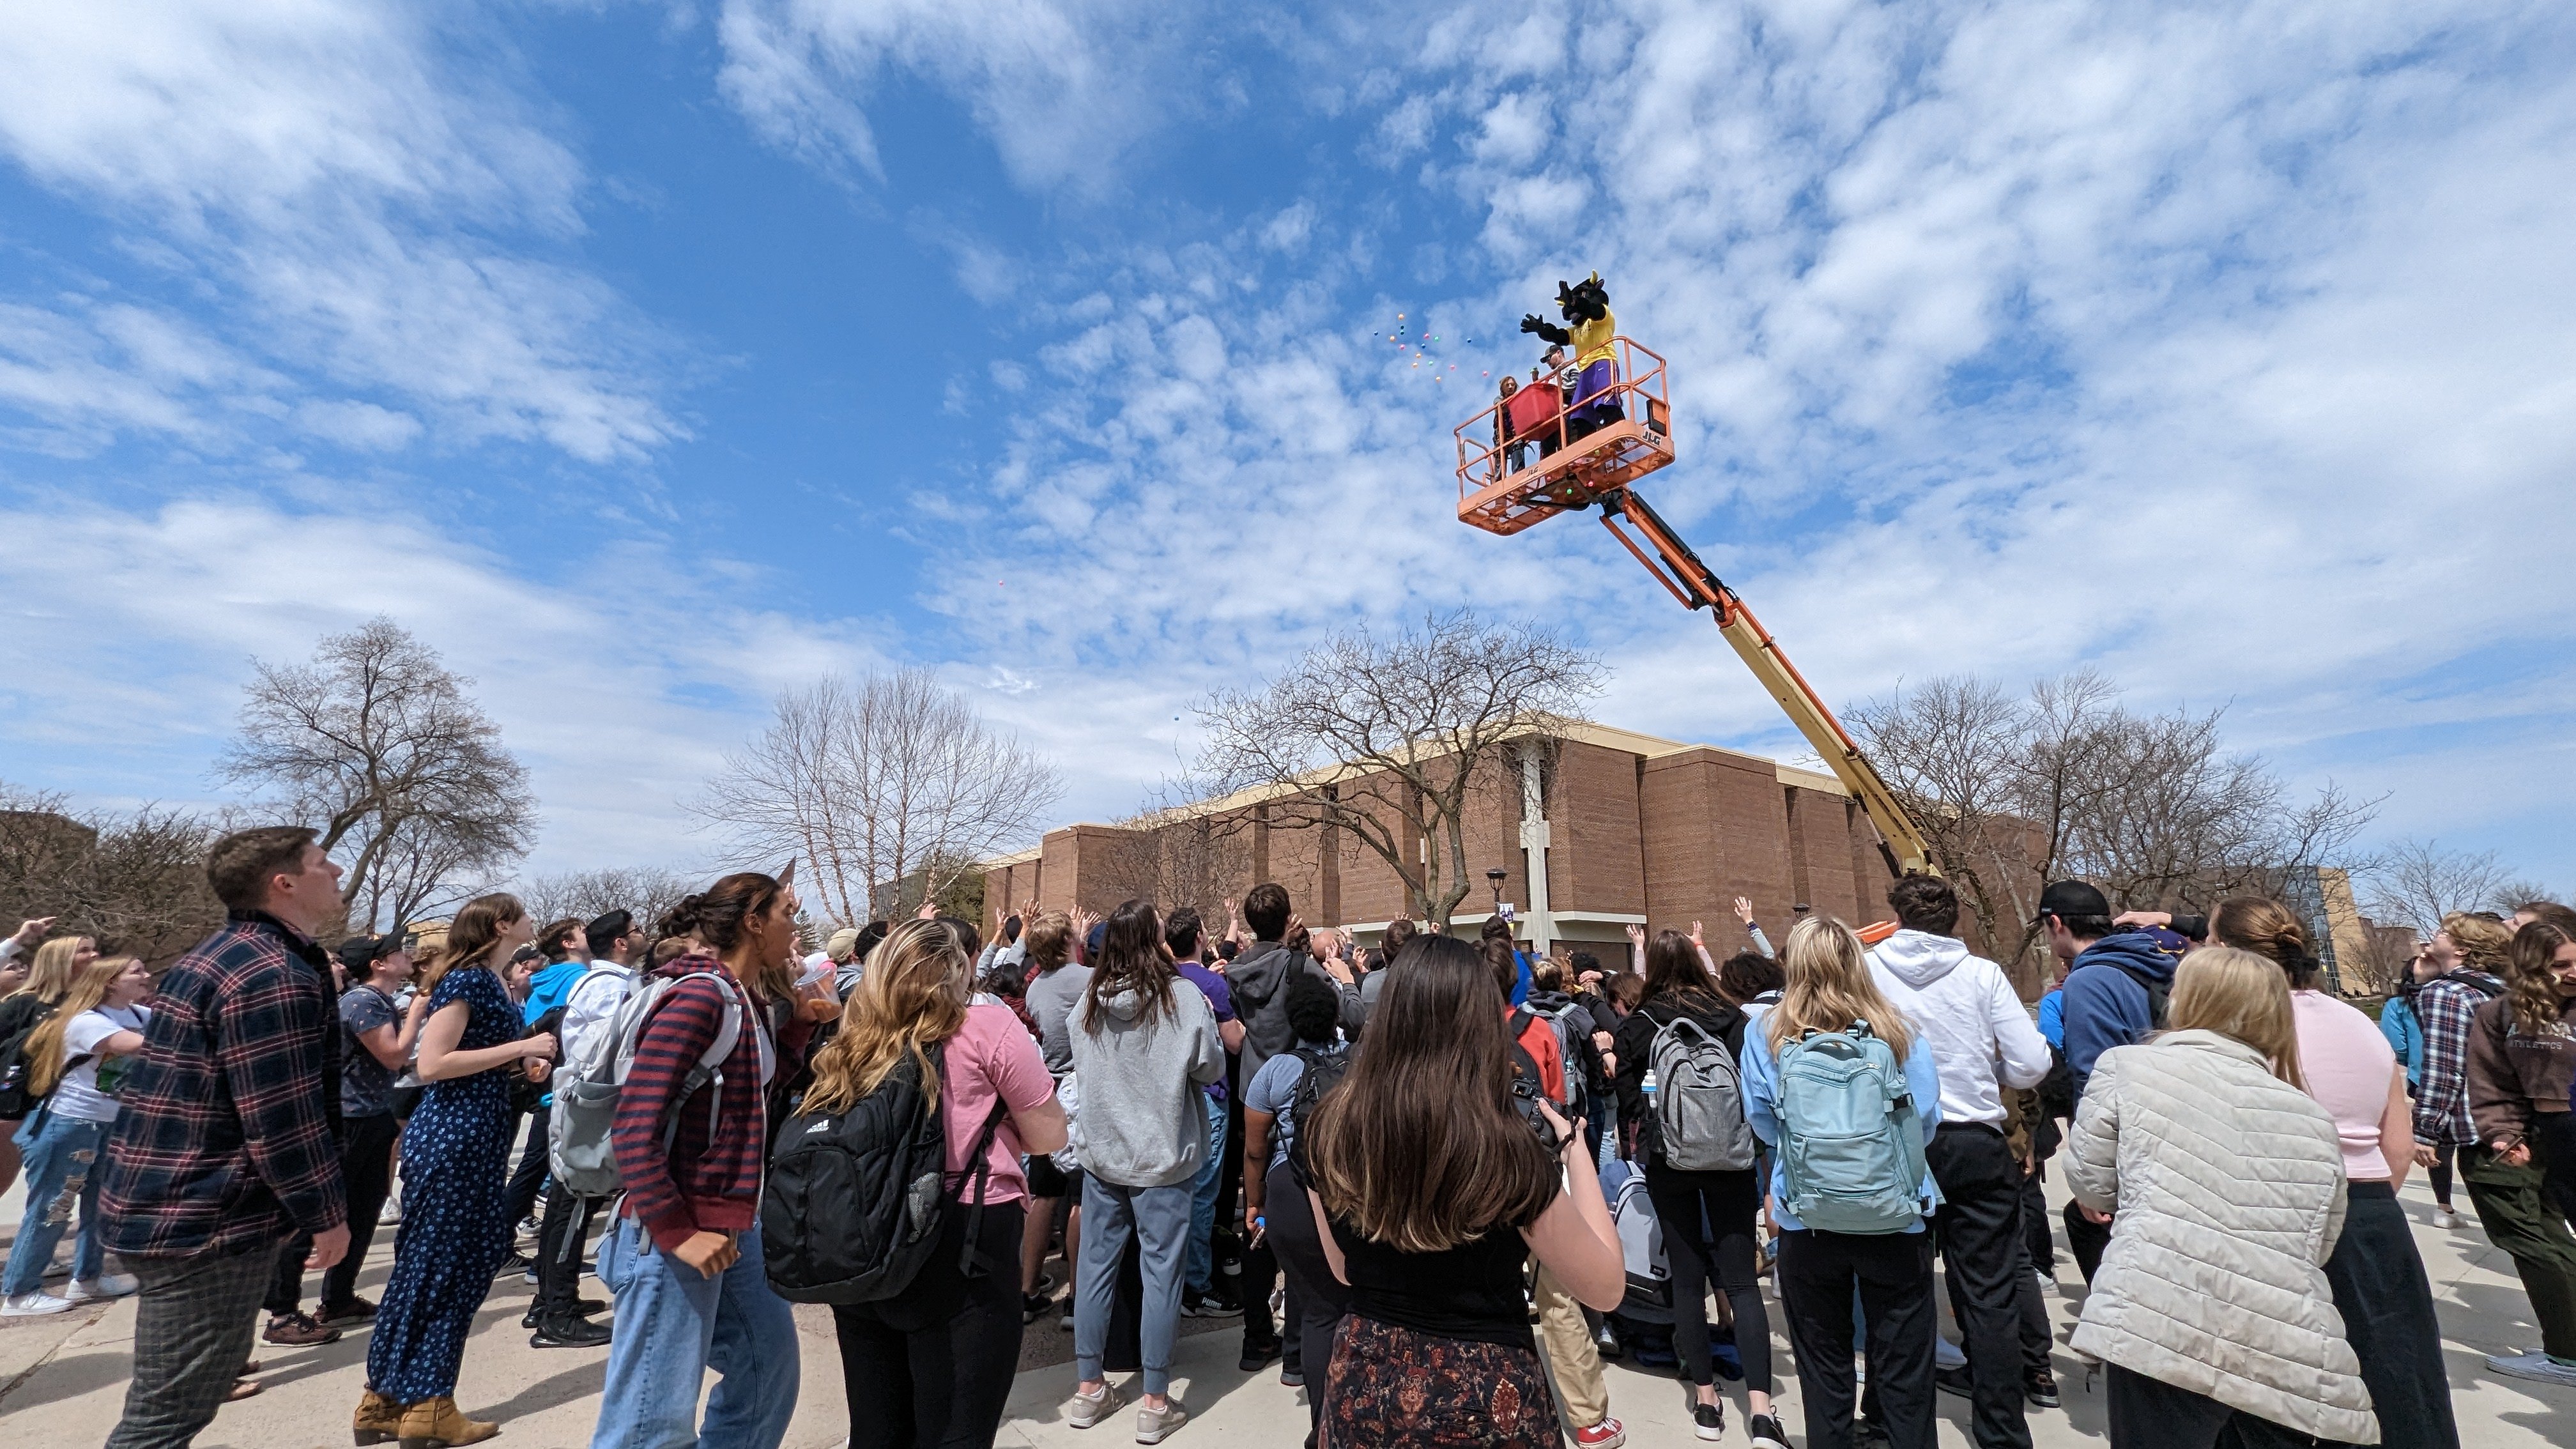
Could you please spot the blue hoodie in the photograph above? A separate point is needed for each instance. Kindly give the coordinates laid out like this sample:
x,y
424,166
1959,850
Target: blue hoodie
x,y
2105,1007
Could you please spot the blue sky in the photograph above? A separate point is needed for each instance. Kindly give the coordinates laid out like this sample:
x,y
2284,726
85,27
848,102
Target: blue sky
x,y
648,358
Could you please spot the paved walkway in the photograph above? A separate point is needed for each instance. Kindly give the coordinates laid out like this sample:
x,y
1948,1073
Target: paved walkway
x,y
62,1379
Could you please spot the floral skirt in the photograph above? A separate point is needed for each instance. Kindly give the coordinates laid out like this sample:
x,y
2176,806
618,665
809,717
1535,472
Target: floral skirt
x,y
1394,1386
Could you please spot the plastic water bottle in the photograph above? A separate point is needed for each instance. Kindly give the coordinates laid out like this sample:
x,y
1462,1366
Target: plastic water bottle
x,y
1648,1086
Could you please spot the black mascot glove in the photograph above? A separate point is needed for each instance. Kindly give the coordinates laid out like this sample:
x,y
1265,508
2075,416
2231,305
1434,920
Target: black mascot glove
x,y
1532,322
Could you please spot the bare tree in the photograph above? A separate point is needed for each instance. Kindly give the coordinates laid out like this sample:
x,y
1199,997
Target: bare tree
x,y
136,881
2419,882
1394,740
376,744
890,786
648,892
2513,894
2069,783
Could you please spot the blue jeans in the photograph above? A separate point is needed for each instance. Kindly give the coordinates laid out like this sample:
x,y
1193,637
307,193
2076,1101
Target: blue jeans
x,y
1202,1259
672,1325
1156,1217
62,1156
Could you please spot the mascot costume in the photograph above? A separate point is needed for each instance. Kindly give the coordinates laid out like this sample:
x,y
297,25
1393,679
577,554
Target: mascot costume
x,y
1589,332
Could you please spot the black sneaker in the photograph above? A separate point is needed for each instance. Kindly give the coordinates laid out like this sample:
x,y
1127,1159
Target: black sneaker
x,y
516,1263
1709,1421
568,1330
2040,1387
1259,1355
1033,1306
1870,1434
1766,1432
1954,1381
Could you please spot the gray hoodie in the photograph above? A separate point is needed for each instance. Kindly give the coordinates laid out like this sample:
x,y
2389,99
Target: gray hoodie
x,y
1141,1122
1259,980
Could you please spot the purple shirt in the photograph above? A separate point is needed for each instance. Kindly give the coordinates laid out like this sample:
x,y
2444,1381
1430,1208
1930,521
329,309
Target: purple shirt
x,y
1220,996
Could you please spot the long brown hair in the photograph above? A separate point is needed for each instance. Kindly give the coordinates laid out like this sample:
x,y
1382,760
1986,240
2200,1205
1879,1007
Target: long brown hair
x,y
2244,997
912,995
1131,959
2531,976
1830,987
2265,927
1422,1147
1673,968
44,1049
473,934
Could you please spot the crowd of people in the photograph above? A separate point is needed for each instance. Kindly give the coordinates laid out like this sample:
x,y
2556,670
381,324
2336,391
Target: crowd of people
x,y
1439,1181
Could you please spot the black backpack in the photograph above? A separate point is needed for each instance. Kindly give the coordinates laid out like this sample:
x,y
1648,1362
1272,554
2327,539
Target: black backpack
x,y
20,1015
852,1207
1323,1073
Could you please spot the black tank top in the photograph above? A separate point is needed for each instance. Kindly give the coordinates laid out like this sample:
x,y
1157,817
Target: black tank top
x,y
1471,1292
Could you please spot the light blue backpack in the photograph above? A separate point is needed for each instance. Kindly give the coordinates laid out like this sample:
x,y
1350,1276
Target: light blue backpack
x,y
1851,1140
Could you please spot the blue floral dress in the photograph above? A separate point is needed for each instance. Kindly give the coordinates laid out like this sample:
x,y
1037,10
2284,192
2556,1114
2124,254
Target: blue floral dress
x,y
455,1233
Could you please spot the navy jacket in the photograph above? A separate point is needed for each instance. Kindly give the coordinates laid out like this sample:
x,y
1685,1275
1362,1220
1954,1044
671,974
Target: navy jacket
x,y
2104,1006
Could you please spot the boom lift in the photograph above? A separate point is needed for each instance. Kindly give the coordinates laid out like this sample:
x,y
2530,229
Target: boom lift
x,y
1522,462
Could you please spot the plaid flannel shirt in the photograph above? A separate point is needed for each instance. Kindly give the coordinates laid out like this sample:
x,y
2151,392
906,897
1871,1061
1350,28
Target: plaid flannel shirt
x,y
226,1139
2445,1007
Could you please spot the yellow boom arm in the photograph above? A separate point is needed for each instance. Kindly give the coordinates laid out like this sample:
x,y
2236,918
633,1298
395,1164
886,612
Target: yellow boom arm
x,y
1695,585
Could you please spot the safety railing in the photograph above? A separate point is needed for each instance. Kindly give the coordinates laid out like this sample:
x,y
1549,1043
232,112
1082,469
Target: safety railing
x,y
1535,454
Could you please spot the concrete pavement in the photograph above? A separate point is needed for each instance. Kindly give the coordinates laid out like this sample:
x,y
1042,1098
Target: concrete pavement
x,y
62,1379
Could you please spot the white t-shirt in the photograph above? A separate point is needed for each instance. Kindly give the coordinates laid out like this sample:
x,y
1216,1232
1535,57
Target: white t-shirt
x,y
80,1094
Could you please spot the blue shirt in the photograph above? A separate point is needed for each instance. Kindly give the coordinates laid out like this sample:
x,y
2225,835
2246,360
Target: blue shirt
x,y
1521,983
1759,1066
1273,1089
2052,1018
2405,1036
548,988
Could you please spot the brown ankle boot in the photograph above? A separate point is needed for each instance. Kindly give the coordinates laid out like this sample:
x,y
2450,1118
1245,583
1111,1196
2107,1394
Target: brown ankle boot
x,y
378,1420
436,1424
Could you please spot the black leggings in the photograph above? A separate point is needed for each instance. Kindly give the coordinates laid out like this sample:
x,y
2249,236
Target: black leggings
x,y
2440,1176
1729,1201
931,1367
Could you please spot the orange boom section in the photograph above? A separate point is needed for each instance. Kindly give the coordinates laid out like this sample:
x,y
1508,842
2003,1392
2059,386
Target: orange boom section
x,y
1563,461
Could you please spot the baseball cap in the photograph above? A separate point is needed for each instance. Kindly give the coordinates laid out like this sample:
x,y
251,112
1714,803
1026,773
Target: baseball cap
x,y
2073,898
359,953
844,944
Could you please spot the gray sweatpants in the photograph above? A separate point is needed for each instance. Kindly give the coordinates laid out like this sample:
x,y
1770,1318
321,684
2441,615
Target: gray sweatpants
x,y
194,1320
1159,1219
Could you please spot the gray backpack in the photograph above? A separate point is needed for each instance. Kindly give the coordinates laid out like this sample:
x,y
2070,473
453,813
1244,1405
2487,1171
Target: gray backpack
x,y
1699,1101
579,1145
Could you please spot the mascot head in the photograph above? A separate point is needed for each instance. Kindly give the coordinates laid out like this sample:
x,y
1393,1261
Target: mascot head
x,y
1585,301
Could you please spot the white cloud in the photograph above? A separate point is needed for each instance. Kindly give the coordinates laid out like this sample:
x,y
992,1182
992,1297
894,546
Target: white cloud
x,y
2228,350
1060,86
337,186
129,636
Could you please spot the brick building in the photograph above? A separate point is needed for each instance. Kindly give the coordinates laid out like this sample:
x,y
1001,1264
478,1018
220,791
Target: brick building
x,y
1608,829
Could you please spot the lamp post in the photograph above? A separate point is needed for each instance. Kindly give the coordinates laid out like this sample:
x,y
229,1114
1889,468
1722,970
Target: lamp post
x,y
1494,878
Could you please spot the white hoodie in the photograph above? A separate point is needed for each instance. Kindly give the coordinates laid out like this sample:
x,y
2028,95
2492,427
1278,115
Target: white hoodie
x,y
1968,1012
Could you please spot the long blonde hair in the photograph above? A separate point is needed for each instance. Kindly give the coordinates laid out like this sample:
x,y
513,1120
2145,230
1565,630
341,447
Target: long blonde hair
x,y
2242,996
1830,988
44,1052
51,974
913,994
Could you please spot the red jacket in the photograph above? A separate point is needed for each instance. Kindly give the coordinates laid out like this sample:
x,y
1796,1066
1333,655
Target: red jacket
x,y
709,1179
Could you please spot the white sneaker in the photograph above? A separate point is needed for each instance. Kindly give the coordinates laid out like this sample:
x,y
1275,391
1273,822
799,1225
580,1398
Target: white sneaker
x,y
2445,1219
102,1287
33,1305
391,1212
2535,1365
